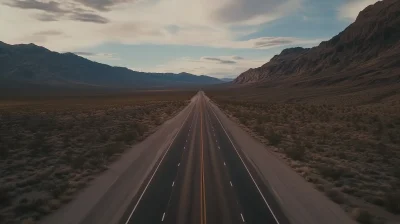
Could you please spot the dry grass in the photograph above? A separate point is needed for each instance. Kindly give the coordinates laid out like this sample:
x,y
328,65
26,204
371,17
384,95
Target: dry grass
x,y
51,148
346,151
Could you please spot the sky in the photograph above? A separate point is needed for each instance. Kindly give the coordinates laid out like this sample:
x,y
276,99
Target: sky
x,y
219,38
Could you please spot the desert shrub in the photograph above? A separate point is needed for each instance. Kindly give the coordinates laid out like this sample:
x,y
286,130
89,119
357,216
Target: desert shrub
x,y
376,200
4,152
58,189
5,198
310,132
25,206
112,149
142,128
362,216
128,136
28,221
335,196
329,171
273,137
260,130
396,172
393,137
297,153
243,120
77,162
392,202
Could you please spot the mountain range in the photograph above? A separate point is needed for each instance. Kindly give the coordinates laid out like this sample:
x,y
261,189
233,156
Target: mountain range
x,y
367,52
30,65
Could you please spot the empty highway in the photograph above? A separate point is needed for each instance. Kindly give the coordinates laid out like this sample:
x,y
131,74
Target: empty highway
x,y
202,178
199,168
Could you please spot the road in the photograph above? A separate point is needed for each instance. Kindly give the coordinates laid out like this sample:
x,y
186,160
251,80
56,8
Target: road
x,y
199,167
202,178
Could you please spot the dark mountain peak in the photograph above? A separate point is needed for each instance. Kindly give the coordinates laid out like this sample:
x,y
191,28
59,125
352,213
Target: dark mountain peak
x,y
32,64
293,50
31,48
289,53
185,73
372,39
378,9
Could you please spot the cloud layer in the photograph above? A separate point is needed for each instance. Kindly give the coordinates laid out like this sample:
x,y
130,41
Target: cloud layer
x,y
223,25
88,23
56,11
218,60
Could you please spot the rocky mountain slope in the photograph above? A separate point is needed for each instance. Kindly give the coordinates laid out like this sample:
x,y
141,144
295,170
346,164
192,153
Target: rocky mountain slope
x,y
366,52
28,64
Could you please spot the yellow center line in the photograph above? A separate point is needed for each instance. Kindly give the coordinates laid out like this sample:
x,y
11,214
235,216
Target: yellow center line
x,y
202,187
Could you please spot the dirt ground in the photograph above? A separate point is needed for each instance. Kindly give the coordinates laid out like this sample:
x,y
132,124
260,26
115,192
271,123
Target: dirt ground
x,y
348,150
51,148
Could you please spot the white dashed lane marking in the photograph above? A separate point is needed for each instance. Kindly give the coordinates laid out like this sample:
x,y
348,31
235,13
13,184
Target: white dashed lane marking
x,y
242,217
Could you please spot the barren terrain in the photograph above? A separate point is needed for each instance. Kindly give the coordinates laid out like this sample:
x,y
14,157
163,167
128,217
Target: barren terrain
x,y
348,150
50,148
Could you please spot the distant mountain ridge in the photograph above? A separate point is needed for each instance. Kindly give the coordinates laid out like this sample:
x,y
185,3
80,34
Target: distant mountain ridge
x,y
32,64
366,51
227,79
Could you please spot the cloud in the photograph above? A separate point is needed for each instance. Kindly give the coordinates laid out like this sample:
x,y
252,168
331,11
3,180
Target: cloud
x,y
93,55
88,17
50,6
55,11
237,58
102,5
351,9
273,41
43,36
49,33
173,29
81,53
141,22
221,61
253,11
45,17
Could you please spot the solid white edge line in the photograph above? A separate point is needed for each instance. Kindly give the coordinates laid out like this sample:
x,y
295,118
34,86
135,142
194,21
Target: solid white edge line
x,y
231,183
151,178
242,217
173,183
163,216
251,176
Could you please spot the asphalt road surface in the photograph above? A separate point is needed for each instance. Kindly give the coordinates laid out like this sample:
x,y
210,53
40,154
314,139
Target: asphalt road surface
x,y
202,178
199,167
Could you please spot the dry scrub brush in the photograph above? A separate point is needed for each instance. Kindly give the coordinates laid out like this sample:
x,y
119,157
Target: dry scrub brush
x,y
49,149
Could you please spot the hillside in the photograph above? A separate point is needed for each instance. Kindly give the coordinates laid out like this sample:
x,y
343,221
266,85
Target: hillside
x,y
365,53
31,65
